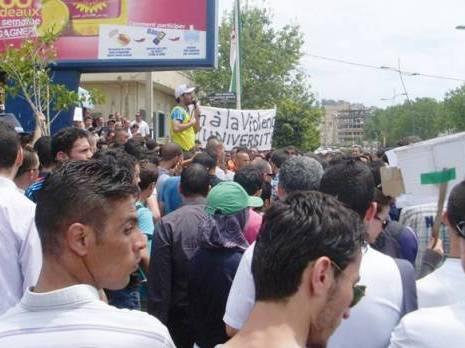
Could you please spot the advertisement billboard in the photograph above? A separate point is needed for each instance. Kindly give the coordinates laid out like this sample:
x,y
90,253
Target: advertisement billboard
x,y
117,35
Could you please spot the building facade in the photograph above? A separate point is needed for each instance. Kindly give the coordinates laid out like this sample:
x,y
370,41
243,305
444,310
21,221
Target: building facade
x,y
151,94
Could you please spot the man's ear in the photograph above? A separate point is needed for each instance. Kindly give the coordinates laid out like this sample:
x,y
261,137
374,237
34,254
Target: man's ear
x,y
61,156
371,212
320,277
79,238
19,157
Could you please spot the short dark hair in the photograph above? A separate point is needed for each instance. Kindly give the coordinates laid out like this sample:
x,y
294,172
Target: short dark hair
x,y
352,183
242,149
456,205
151,144
43,147
204,159
29,161
278,157
64,140
79,191
195,181
261,164
302,228
169,151
300,173
148,174
9,146
117,157
250,178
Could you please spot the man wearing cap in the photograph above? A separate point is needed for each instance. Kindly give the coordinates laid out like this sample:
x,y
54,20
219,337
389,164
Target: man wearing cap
x,y
184,125
212,269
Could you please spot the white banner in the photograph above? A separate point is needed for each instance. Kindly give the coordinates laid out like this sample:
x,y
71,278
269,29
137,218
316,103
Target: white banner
x,y
244,128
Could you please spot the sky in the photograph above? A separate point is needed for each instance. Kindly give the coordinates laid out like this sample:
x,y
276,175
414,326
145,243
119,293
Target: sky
x,y
421,33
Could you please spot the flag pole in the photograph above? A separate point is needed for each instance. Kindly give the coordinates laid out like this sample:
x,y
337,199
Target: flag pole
x,y
237,63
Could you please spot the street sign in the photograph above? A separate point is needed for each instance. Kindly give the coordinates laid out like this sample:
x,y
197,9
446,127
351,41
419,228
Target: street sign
x,y
224,98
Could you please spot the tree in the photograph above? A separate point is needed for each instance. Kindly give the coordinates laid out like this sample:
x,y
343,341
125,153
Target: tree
x,y
270,76
454,107
423,117
28,70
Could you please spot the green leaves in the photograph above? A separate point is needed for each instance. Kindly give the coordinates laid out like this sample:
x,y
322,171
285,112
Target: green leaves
x,y
29,74
270,76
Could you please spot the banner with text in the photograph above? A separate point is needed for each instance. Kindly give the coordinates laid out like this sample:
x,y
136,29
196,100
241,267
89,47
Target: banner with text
x,y
249,128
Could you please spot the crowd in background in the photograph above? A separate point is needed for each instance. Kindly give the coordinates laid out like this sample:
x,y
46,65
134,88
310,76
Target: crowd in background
x,y
244,248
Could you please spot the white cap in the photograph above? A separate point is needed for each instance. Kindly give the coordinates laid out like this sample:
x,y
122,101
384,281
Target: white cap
x,y
183,89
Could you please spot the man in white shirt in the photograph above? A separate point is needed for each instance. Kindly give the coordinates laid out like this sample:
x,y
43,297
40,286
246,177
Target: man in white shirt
x,y
20,251
305,267
87,222
438,327
144,128
445,285
382,307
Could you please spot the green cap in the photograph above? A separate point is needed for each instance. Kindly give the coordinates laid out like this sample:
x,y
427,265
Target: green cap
x,y
228,198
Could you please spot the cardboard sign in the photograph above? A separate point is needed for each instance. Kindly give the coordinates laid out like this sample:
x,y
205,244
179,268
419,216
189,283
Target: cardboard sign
x,y
392,181
238,128
427,164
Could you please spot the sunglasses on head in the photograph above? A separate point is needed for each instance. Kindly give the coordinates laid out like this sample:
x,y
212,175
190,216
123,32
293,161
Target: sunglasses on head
x,y
358,291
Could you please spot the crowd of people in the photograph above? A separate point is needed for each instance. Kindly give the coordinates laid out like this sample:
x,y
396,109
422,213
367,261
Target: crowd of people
x,y
110,239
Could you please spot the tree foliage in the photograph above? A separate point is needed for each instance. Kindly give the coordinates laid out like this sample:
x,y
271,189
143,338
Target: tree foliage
x,y
28,69
270,76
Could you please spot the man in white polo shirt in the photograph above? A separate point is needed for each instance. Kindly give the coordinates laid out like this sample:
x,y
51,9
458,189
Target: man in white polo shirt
x,y
87,222
372,321
438,327
20,252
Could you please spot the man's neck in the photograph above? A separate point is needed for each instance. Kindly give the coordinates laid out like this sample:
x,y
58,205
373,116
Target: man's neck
x,y
272,325
8,173
166,165
56,275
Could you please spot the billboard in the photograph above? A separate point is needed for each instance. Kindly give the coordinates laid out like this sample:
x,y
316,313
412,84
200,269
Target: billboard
x,y
117,35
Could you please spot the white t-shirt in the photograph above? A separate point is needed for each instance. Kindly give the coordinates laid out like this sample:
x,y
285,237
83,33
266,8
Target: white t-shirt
x,y
144,128
443,287
75,317
435,327
371,321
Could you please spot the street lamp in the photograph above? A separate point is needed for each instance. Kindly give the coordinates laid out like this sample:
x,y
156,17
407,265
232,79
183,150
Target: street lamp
x,y
460,27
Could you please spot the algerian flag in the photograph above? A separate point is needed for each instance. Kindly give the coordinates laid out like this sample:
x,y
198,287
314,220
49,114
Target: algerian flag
x,y
234,54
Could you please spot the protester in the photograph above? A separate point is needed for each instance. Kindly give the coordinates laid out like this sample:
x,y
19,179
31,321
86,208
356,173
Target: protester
x,y
395,240
142,126
208,162
184,125
221,245
121,137
299,173
29,171
69,144
20,252
277,159
215,148
251,180
96,246
439,326
305,268
241,158
353,184
445,286
174,245
305,175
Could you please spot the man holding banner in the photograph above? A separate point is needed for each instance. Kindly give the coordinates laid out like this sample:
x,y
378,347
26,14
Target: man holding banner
x,y
184,125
